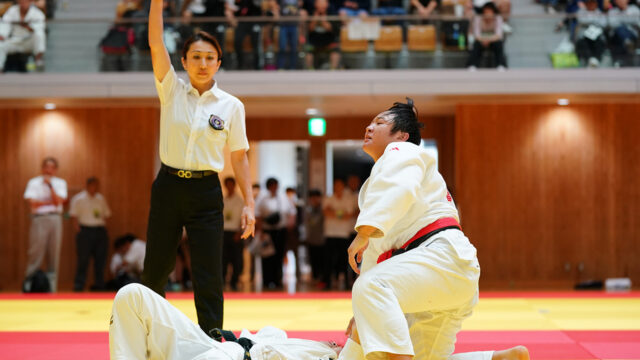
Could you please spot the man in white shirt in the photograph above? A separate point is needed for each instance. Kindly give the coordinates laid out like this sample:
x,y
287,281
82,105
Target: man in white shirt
x,y
89,211
22,30
233,244
419,275
274,213
46,195
338,211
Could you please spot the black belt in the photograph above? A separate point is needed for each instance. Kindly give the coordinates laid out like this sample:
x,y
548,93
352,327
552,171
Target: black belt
x,y
187,174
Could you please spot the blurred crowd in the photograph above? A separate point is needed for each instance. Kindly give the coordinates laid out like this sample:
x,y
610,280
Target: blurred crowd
x,y
301,240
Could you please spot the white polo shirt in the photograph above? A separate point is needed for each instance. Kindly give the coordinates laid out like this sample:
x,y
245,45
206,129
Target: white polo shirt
x,y
90,210
187,139
39,191
339,226
233,206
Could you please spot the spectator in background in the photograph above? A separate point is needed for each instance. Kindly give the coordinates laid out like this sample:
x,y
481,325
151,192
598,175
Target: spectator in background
x,y
208,8
503,6
125,7
323,37
353,8
233,244
128,260
591,43
624,23
89,211
244,8
255,190
46,195
288,41
22,31
338,213
314,224
274,212
424,8
389,7
487,31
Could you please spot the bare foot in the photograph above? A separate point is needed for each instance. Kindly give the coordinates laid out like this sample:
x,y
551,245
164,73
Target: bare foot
x,y
515,353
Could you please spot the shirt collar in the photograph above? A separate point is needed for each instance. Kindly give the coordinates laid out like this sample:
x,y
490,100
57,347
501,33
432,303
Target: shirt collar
x,y
214,90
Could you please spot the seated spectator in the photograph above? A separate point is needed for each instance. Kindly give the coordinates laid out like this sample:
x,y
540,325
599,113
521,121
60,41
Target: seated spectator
x,y
487,32
289,33
22,31
244,8
353,8
323,37
389,7
208,8
128,261
624,21
116,47
503,6
424,8
591,43
125,7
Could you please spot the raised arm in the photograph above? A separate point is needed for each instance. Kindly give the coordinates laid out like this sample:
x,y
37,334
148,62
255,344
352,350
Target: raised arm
x,y
159,55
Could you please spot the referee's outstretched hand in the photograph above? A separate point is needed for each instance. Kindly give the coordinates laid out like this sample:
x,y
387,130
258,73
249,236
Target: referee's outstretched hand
x,y
248,222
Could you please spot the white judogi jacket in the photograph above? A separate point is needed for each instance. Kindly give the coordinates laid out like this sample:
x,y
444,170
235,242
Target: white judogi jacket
x,y
404,193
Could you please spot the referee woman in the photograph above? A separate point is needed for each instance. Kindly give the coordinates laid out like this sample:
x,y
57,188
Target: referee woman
x,y
197,120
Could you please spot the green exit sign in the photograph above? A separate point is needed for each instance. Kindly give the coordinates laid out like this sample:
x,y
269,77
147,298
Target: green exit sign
x,y
317,126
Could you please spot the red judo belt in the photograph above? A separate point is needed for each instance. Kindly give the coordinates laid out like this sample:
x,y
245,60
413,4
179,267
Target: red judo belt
x,y
421,236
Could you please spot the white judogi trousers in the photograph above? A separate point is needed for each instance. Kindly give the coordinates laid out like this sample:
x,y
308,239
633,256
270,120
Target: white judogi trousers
x,y
415,303
144,325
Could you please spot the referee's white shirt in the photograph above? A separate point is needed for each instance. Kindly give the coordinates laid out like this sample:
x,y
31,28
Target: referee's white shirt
x,y
187,140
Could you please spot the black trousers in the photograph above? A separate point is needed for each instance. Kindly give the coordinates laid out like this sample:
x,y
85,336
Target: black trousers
x,y
317,259
272,265
495,47
91,242
337,258
242,30
232,254
197,205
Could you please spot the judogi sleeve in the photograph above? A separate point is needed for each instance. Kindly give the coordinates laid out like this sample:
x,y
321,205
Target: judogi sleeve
x,y
392,190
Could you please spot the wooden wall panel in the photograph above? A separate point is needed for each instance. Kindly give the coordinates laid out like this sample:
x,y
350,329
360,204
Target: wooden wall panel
x,y
116,145
550,195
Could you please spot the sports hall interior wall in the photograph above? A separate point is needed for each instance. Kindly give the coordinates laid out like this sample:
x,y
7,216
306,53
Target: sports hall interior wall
x,y
550,195
522,201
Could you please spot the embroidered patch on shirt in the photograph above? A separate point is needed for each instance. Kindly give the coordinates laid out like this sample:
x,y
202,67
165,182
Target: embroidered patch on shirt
x,y
216,122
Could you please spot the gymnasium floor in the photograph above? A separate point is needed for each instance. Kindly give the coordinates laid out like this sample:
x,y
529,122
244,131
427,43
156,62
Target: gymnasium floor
x,y
558,325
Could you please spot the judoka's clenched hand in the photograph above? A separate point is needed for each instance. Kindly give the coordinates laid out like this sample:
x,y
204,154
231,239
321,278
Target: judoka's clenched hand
x,y
357,247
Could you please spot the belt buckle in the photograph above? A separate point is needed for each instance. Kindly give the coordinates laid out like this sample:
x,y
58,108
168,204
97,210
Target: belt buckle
x,y
186,174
